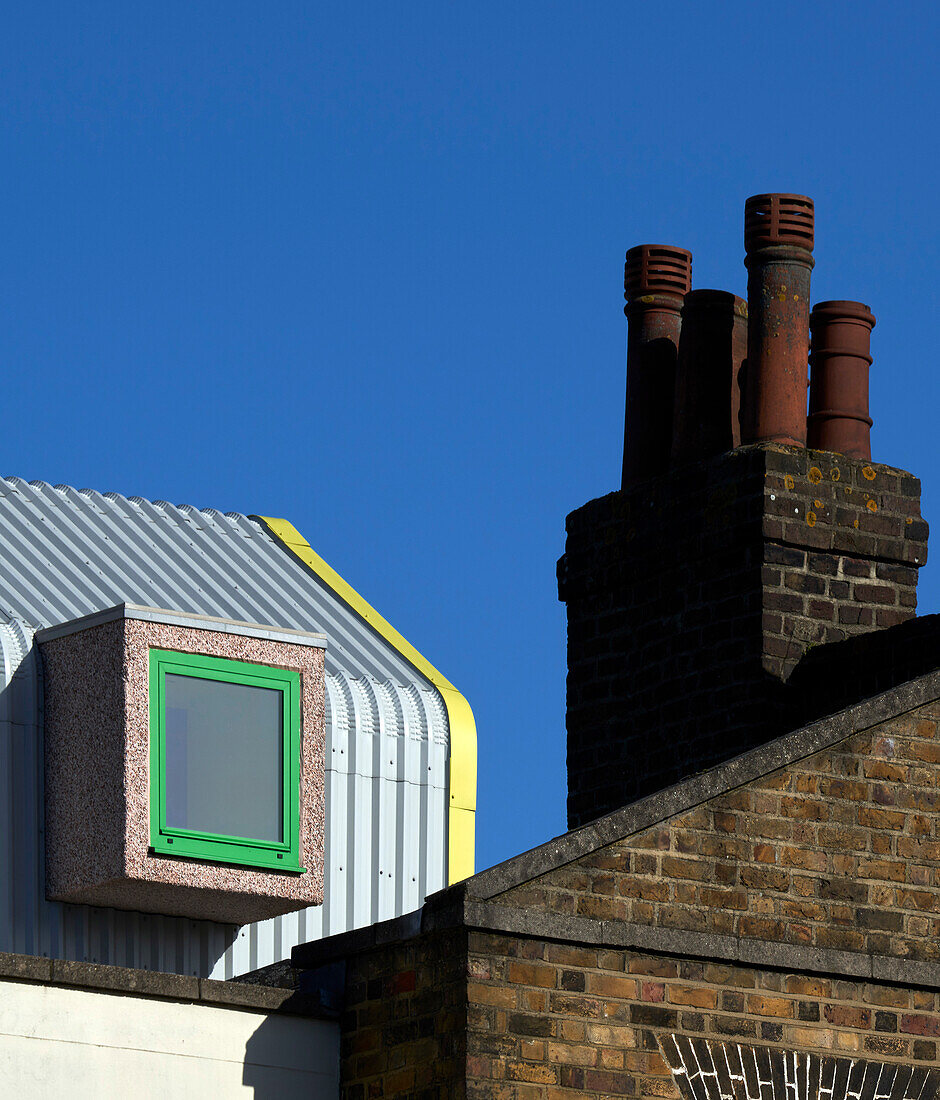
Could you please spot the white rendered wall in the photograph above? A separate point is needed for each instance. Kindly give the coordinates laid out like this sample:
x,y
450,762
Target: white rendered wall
x,y
57,1042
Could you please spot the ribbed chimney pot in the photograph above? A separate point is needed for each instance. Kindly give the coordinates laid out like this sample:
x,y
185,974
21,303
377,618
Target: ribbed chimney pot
x,y
778,236
655,280
838,397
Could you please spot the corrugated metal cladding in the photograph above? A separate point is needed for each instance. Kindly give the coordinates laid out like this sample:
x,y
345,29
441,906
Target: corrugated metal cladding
x,y
66,553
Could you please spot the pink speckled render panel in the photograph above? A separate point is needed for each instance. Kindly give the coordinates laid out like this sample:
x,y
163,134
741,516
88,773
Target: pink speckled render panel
x,y
83,712
98,784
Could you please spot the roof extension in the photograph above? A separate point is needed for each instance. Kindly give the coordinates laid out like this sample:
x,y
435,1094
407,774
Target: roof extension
x,y
67,553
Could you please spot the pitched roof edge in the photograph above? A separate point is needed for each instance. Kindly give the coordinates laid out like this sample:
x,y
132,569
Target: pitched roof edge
x,y
692,792
462,787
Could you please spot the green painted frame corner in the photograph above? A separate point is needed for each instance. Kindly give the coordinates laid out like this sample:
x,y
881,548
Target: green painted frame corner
x,y
180,843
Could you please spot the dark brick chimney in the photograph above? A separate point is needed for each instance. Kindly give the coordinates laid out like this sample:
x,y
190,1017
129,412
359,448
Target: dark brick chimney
x,y
693,594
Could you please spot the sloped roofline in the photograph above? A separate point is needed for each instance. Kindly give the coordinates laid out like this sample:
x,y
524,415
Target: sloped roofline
x,y
754,764
475,903
461,815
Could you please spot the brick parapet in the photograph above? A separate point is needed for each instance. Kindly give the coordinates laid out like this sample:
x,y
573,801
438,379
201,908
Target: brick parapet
x,y
547,1019
836,852
692,598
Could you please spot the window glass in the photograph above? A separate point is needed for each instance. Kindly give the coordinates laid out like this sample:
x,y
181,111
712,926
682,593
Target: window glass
x,y
224,758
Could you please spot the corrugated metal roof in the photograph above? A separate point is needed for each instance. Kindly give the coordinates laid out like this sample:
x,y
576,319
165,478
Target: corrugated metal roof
x,y
68,552
65,553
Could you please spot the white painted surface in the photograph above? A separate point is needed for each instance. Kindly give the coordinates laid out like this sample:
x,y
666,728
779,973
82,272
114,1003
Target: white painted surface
x,y
57,1042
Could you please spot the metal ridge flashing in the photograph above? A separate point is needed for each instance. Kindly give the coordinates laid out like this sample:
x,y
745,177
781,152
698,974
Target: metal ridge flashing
x,y
177,618
463,736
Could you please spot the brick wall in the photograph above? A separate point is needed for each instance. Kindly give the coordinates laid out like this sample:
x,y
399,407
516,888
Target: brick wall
x,y
513,1017
793,920
404,1021
602,1016
840,851
692,598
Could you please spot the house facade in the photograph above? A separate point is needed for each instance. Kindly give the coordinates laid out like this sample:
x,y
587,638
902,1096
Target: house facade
x,y
747,902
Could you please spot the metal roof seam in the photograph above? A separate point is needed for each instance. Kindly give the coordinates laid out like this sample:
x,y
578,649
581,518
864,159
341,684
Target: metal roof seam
x,y
66,553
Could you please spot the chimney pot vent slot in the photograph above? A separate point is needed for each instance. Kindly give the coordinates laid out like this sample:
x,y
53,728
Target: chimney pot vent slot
x,y
778,220
656,269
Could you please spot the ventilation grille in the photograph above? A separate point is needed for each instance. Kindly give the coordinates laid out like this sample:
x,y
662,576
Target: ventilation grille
x,y
656,269
778,219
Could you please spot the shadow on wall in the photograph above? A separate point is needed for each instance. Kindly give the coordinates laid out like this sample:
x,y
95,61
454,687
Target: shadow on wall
x,y
291,1056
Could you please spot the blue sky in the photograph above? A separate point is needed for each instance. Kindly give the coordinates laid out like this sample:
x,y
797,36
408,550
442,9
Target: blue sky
x,y
360,265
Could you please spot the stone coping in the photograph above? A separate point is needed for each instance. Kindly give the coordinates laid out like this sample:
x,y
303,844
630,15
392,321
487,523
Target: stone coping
x,y
177,618
155,984
452,908
689,793
472,903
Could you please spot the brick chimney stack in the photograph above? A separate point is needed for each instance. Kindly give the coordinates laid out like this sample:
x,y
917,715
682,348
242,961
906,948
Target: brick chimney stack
x,y
693,592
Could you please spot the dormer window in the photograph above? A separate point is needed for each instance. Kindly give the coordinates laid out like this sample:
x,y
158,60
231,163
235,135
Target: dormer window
x,y
184,764
224,760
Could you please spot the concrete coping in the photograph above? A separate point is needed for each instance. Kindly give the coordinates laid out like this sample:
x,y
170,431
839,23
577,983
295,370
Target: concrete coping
x,y
126,981
178,618
691,792
452,908
473,903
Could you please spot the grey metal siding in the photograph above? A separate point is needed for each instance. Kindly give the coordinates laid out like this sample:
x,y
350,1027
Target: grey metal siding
x,y
66,553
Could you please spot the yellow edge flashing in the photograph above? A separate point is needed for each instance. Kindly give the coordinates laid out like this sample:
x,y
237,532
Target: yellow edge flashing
x,y
463,732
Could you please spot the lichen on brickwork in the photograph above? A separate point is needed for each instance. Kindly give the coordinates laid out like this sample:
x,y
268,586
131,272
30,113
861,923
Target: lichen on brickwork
x,y
716,606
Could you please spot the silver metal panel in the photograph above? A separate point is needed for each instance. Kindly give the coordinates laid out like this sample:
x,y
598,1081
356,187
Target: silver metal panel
x,y
198,622
386,768
66,553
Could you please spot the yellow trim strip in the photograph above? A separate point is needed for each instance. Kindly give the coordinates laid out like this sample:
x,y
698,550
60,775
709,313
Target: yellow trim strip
x,y
463,731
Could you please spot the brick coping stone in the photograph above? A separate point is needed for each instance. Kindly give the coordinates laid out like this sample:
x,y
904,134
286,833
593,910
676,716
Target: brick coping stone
x,y
471,903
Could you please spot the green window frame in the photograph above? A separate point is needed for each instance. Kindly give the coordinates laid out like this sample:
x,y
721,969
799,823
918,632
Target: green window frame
x,y
215,847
